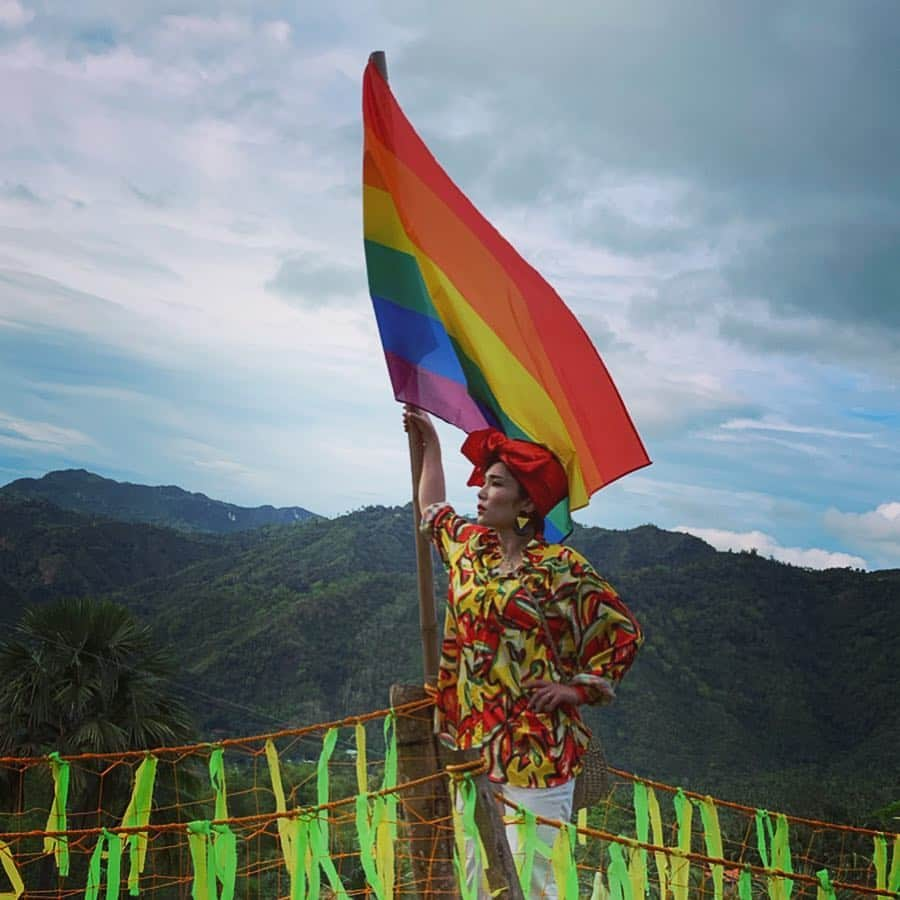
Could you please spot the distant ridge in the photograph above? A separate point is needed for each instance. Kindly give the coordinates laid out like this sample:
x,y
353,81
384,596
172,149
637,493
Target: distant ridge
x,y
168,505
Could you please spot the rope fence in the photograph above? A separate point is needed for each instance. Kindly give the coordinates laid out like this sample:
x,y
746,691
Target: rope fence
x,y
323,812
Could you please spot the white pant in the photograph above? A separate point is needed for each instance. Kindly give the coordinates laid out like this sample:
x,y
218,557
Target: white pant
x,y
551,803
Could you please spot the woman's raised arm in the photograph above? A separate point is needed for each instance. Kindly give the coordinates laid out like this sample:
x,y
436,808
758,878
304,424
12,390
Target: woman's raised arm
x,y
432,488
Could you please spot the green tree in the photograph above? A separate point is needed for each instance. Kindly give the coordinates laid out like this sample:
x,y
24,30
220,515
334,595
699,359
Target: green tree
x,y
83,676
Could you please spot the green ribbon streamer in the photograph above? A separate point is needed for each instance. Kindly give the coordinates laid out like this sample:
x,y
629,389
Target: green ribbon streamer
x,y
56,821
466,788
713,836
300,828
320,835
681,865
217,778
619,882
563,863
137,815
642,826
781,857
825,890
879,858
113,867
745,885
93,881
528,841
226,859
762,822
389,782
203,861
366,838
894,875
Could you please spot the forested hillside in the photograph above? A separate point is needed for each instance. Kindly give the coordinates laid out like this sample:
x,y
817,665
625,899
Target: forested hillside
x,y
758,681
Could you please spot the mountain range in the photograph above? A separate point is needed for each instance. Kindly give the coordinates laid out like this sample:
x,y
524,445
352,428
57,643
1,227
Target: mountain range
x,y
763,682
82,491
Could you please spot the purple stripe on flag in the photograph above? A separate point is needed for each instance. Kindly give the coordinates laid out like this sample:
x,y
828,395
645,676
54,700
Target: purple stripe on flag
x,y
445,398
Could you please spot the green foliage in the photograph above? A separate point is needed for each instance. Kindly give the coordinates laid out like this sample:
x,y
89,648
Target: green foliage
x,y
762,682
82,676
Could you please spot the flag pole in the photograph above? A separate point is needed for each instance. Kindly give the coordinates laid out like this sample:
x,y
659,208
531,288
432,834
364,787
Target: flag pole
x,y
430,849
427,611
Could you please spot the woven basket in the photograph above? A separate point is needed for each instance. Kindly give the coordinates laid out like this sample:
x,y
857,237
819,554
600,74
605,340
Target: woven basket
x,y
592,783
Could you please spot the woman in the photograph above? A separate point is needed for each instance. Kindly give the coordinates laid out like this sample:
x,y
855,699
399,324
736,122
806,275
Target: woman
x,y
532,632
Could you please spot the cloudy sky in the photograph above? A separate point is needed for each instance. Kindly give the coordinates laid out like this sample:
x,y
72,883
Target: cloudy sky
x,y
714,188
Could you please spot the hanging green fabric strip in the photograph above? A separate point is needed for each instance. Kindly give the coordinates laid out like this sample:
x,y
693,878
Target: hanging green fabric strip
x,y
286,829
226,860
56,821
386,838
619,885
637,871
217,777
659,858
781,856
299,843
137,815
362,765
321,842
92,888
879,859
198,838
894,875
113,865
562,858
581,820
684,815
385,827
712,834
322,787
528,843
762,820
367,846
468,889
825,891
642,827
745,885
681,866
8,862
390,753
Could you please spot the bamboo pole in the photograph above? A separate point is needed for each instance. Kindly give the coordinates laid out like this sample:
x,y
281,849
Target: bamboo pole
x,y
418,750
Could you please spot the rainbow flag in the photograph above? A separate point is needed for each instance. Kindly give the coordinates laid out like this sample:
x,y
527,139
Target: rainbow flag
x,y
471,332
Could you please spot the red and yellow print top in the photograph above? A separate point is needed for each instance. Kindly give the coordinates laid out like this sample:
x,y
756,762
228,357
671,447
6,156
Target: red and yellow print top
x,y
495,640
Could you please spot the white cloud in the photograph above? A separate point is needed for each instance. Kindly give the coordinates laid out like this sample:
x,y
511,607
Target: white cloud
x,y
876,532
772,425
13,14
766,545
30,434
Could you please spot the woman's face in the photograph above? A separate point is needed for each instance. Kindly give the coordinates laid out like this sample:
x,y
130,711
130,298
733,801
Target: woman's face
x,y
501,499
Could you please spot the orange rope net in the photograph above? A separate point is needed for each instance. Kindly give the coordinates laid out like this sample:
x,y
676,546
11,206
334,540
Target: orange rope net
x,y
322,811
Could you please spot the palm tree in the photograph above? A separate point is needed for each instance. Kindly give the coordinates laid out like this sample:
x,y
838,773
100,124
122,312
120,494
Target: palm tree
x,y
83,676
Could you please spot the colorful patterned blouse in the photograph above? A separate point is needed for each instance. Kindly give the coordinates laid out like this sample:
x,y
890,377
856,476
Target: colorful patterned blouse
x,y
494,640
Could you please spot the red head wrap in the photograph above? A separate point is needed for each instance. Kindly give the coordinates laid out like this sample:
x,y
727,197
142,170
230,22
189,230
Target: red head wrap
x,y
534,467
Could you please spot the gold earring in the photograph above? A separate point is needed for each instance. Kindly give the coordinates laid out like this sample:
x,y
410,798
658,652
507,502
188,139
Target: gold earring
x,y
522,522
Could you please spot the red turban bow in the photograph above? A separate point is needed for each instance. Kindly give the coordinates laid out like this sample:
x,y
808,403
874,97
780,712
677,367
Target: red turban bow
x,y
534,467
